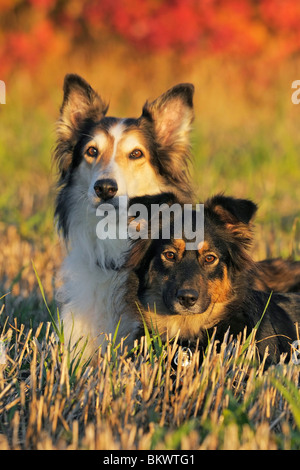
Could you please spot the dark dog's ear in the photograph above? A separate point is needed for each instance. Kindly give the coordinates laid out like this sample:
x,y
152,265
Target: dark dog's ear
x,y
139,220
172,114
140,216
137,255
232,211
80,103
237,215
148,200
146,213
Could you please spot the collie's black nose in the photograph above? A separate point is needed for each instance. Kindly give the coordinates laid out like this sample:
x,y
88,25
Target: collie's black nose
x,y
106,188
187,297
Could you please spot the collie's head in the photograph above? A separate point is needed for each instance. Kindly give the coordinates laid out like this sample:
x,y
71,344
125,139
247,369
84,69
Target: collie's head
x,y
189,290
100,158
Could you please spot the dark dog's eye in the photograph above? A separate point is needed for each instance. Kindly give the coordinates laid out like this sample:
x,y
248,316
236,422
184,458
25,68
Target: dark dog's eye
x,y
209,259
136,154
92,152
169,255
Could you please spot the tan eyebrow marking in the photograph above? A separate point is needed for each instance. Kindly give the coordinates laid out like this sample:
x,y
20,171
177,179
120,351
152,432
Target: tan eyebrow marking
x,y
220,289
204,246
179,244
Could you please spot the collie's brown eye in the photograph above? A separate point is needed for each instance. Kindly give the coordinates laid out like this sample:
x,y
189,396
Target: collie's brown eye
x,y
136,154
92,152
169,255
209,259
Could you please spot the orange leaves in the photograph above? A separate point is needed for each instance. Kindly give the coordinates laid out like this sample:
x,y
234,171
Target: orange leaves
x,y
31,29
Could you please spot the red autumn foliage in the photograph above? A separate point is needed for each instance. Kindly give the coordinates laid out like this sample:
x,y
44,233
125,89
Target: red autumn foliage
x,y
31,29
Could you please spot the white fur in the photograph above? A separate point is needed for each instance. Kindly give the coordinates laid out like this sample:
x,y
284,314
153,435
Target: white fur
x,y
92,294
93,306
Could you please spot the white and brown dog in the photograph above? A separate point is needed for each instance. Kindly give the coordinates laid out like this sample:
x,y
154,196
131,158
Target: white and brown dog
x,y
99,159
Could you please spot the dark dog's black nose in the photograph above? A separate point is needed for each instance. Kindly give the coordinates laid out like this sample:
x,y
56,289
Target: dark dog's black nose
x,y
106,188
187,297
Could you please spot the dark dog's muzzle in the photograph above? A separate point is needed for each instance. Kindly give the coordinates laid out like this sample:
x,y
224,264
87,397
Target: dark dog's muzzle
x,y
187,297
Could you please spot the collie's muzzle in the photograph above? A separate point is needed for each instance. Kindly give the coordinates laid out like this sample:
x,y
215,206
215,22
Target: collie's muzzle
x,y
106,188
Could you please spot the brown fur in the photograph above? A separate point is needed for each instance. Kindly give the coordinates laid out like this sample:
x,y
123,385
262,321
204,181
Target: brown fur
x,y
220,289
80,103
278,275
188,327
161,133
180,246
204,247
197,290
104,158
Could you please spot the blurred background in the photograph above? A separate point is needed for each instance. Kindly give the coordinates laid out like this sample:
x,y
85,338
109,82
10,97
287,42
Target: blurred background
x,y
241,55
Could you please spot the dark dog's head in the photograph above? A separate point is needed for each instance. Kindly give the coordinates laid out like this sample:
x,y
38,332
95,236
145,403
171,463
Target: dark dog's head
x,y
195,285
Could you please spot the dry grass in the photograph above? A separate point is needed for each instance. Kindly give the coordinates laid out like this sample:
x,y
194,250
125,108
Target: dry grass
x,y
47,402
140,402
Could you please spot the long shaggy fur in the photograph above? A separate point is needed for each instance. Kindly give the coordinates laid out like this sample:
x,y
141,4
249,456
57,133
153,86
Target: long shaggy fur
x,y
93,149
93,294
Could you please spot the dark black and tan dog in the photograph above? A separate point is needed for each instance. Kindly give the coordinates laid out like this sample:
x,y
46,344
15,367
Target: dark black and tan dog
x,y
193,291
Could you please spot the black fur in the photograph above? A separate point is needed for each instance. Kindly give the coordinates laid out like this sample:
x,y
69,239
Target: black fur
x,y
228,234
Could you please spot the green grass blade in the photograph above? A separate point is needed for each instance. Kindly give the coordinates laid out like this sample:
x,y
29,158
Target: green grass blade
x,y
255,328
291,393
45,301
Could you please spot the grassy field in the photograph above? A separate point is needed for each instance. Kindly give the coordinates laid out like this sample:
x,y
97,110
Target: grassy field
x,y
246,143
141,403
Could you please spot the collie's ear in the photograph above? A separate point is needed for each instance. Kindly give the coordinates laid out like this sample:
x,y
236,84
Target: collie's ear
x,y
80,103
170,117
172,114
232,211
